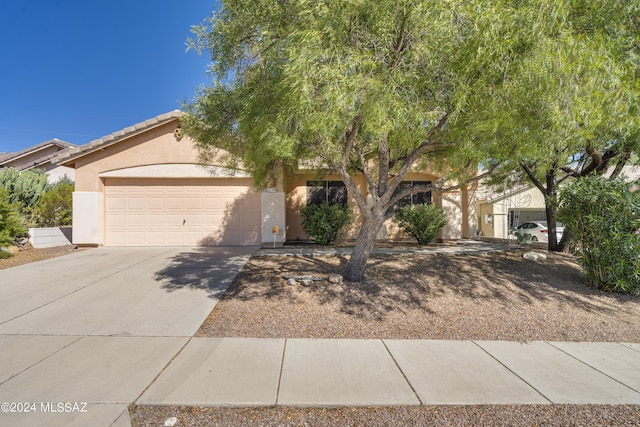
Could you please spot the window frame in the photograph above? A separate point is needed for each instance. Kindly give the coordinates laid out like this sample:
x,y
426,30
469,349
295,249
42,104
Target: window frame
x,y
330,192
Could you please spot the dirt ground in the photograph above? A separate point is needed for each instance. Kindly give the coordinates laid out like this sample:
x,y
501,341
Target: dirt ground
x,y
31,255
465,297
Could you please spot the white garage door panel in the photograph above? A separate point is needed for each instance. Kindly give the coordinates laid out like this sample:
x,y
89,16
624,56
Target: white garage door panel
x,y
170,212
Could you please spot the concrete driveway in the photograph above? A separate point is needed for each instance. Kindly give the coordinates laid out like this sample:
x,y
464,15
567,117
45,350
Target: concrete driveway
x,y
96,327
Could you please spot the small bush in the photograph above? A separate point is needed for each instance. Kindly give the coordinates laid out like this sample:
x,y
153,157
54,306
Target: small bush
x,y
324,223
603,219
54,209
10,223
422,222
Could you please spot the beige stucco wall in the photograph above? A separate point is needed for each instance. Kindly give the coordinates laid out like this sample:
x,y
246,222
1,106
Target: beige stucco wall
x,y
152,147
524,201
485,219
296,198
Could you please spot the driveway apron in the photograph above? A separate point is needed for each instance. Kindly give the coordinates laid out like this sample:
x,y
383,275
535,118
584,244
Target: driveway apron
x,y
82,336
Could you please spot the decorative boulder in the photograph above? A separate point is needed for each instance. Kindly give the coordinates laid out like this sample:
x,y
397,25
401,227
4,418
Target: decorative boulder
x,y
335,278
534,256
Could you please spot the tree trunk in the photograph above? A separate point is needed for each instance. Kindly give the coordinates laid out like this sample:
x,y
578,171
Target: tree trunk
x,y
366,240
551,226
550,208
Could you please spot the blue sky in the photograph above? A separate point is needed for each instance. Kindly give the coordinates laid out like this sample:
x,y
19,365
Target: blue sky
x,y
77,70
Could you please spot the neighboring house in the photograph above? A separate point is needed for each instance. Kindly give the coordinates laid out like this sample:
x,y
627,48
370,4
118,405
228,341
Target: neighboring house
x,y
40,156
499,213
144,186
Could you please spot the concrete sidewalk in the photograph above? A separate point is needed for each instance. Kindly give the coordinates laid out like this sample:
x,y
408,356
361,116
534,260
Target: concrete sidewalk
x,y
237,372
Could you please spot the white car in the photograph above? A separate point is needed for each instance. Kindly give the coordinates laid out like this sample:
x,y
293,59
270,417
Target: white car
x,y
539,230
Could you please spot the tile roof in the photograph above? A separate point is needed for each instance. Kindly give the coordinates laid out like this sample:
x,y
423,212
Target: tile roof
x,y
12,157
97,144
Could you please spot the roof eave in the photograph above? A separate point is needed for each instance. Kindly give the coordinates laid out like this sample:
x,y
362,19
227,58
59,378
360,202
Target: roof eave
x,y
69,156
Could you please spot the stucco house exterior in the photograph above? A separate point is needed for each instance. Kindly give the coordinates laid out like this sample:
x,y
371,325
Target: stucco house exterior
x,y
144,186
499,212
40,156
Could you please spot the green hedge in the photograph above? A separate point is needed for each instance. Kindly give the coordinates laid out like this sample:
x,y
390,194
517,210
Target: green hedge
x,y
603,219
10,223
324,223
422,222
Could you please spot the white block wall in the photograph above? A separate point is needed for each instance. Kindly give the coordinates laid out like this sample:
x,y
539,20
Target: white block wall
x,y
49,237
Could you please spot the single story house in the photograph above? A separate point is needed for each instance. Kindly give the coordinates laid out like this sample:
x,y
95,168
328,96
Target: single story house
x,y
40,156
499,212
144,186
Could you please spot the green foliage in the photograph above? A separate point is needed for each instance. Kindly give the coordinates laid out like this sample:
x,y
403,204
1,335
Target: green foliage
x,y
54,209
10,224
380,88
422,222
324,223
292,79
523,237
603,219
25,189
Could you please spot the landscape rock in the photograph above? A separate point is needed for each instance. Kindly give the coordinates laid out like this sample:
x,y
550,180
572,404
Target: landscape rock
x,y
534,256
289,276
306,282
335,278
11,249
291,282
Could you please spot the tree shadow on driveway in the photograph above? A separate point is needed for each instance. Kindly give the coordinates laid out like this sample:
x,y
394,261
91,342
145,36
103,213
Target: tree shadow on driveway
x,y
211,269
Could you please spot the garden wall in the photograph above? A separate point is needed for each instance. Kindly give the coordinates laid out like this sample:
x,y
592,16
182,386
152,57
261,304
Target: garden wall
x,y
50,237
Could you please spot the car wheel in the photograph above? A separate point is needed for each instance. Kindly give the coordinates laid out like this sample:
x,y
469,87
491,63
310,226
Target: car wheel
x,y
534,239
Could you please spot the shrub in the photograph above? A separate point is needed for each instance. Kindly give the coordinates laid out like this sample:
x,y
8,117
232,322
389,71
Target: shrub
x,y
422,222
54,209
25,189
324,223
603,219
10,223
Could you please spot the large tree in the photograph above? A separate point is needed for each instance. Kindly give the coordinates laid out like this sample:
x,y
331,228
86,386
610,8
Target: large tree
x,y
366,87
579,116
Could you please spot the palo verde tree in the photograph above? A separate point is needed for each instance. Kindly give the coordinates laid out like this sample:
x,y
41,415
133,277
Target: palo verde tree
x,y
579,115
364,87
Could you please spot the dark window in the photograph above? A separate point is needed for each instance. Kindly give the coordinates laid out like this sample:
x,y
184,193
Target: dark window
x,y
330,192
415,198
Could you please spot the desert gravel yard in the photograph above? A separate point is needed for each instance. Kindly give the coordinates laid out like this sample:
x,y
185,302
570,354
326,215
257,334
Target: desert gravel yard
x,y
467,297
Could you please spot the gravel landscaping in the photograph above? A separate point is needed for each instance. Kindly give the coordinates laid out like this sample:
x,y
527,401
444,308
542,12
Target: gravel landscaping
x,y
466,297
32,255
494,415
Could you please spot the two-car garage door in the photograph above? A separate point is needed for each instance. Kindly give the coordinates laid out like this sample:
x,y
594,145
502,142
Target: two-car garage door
x,y
182,212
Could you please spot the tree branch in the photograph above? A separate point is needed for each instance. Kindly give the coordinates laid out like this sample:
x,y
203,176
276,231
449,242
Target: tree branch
x,y
622,161
373,188
383,165
351,133
400,44
596,160
415,154
533,178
